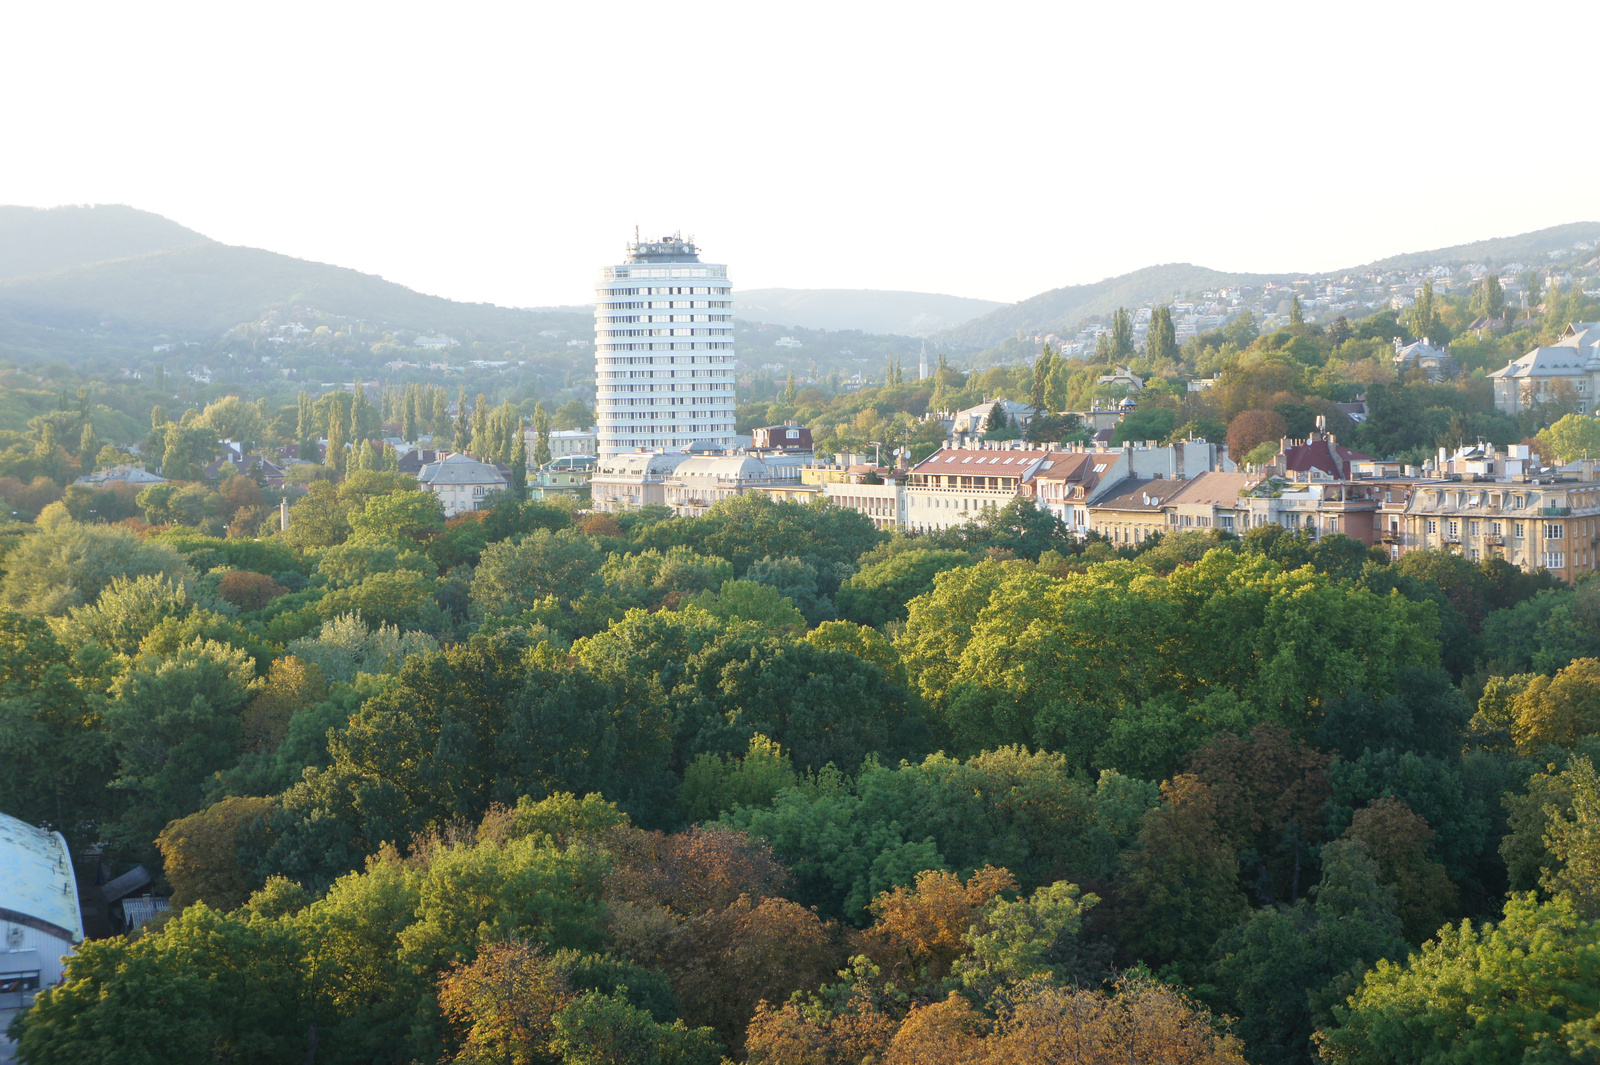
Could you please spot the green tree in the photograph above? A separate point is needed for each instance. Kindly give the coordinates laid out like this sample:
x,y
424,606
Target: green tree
x,y
175,721
1488,298
1574,841
519,468
1180,883
188,449
224,982
1161,343
541,429
1422,320
337,458
1574,437
1282,969
879,592
1297,317
70,565
1027,940
1539,966
52,735
514,576
714,784
1121,334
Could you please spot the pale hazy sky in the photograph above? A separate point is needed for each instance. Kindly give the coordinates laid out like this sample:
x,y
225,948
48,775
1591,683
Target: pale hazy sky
x,y
504,151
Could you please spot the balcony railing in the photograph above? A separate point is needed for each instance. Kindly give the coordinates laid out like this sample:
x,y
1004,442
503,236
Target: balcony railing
x,y
1555,512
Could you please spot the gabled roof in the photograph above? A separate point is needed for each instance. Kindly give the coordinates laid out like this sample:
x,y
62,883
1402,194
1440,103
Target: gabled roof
x,y
1067,466
1144,494
1334,459
1567,357
1215,488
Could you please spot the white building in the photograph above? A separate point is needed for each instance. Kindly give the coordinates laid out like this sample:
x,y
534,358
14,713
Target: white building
x,y
663,350
462,483
563,442
637,479
40,921
700,482
1572,362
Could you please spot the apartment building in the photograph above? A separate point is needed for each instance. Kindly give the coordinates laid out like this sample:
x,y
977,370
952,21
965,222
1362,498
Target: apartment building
x,y
954,485
700,482
1211,500
1134,509
632,480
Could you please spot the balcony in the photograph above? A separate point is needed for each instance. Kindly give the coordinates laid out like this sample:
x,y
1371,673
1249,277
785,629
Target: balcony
x,y
1555,512
1495,541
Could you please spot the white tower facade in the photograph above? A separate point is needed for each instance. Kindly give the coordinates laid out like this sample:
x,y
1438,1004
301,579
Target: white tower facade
x,y
663,324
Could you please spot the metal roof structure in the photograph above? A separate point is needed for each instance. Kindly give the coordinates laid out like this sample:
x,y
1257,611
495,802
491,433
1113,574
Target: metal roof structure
x,y
37,885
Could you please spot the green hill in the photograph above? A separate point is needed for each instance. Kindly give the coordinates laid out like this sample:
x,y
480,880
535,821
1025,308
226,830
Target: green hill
x,y
1062,309
869,310
128,275
1525,246
206,288
37,240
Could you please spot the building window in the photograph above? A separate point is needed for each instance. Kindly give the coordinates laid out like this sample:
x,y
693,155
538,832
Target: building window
x,y
1555,531
1496,529
1516,502
1433,526
1517,530
1333,525
1555,560
1472,528
1453,529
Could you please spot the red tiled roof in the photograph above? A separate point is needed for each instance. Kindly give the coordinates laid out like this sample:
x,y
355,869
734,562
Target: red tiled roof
x,y
1319,455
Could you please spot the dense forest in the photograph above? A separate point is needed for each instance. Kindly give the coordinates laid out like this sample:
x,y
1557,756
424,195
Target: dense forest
x,y
534,784
530,785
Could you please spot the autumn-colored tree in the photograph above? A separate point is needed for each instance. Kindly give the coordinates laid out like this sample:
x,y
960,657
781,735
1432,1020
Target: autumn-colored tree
x,y
200,853
1560,709
809,1033
1252,427
723,964
247,590
503,1004
1398,840
948,1032
235,493
703,869
1269,789
1180,887
291,685
1046,1024
920,932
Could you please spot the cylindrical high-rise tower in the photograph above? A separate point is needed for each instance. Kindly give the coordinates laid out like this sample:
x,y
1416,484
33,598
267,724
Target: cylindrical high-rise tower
x,y
663,324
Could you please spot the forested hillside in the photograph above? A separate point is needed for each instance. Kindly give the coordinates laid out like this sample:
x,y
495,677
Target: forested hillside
x,y
35,242
1063,307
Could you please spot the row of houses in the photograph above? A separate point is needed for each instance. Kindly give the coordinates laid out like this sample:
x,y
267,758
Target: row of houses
x,y
1478,501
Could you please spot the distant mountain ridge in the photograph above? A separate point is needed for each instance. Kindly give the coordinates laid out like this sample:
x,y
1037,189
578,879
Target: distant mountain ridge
x,y
869,310
70,267
1063,308
35,240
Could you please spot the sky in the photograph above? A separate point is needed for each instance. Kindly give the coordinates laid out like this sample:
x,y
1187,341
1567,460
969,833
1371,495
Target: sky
x,y
503,152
